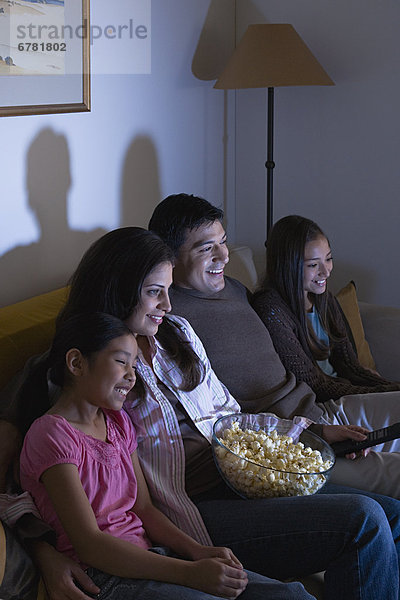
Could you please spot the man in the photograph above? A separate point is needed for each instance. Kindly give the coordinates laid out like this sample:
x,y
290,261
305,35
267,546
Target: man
x,y
240,348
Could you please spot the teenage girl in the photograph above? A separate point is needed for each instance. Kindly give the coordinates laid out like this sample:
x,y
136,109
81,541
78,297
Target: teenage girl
x,y
305,321
79,463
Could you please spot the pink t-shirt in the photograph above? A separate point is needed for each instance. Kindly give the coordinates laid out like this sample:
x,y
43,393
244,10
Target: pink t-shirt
x,y
105,470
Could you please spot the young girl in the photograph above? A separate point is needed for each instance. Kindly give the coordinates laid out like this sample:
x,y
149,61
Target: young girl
x,y
80,464
305,321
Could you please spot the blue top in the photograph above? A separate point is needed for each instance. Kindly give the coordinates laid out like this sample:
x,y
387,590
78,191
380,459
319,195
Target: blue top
x,y
321,334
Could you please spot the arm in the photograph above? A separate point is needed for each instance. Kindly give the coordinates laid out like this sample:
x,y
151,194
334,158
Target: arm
x,y
219,576
294,352
163,532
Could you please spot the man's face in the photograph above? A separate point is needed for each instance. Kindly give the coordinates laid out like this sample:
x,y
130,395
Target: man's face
x,y
201,259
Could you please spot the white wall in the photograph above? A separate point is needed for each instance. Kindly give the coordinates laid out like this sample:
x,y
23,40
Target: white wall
x,y
336,148
66,179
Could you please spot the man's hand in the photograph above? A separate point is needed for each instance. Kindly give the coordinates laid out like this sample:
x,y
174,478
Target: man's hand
x,y
59,574
339,433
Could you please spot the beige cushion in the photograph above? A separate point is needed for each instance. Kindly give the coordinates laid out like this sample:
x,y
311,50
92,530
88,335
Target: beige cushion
x,y
241,266
347,297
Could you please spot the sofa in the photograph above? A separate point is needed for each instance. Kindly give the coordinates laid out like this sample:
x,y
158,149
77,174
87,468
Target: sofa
x,y
26,329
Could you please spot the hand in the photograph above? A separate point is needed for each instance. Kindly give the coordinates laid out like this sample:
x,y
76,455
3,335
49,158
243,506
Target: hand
x,y
59,574
218,576
215,552
339,433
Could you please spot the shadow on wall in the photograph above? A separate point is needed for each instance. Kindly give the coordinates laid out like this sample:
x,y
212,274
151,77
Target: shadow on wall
x,y
216,42
214,48
47,264
140,189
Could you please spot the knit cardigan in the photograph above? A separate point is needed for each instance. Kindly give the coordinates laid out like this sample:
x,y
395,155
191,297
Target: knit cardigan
x,y
291,344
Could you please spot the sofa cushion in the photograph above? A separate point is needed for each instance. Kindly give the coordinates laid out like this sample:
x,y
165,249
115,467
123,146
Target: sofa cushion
x,y
26,329
382,329
347,297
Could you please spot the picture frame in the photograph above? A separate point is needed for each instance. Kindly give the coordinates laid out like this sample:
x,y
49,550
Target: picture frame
x,y
44,57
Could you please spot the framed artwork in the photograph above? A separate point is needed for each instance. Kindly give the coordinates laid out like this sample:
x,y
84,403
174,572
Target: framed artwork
x,y
44,56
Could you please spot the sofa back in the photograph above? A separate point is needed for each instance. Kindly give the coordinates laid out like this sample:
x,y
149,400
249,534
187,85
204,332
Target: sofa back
x,y
26,329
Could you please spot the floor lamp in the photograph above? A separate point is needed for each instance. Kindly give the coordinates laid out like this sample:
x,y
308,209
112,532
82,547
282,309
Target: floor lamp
x,y
271,55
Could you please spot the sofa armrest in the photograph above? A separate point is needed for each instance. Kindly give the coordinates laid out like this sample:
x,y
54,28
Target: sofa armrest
x,y
382,331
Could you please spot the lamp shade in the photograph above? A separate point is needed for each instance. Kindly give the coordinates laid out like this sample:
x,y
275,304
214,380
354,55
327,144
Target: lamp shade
x,y
271,55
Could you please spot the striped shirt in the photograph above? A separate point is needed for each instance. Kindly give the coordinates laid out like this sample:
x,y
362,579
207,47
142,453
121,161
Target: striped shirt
x,y
160,444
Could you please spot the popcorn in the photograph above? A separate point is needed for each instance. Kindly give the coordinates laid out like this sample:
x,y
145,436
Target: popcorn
x,y
278,467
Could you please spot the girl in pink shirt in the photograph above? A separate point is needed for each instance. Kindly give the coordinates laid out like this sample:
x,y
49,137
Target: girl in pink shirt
x,y
79,463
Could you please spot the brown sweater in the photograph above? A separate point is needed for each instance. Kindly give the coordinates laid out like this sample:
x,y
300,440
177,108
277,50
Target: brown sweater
x,y
291,344
241,351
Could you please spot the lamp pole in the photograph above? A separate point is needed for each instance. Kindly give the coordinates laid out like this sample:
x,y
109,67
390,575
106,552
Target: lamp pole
x,y
270,161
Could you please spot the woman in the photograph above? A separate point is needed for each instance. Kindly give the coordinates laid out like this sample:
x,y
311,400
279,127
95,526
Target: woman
x,y
304,319
127,273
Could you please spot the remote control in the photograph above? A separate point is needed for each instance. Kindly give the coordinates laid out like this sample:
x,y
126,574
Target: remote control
x,y
379,436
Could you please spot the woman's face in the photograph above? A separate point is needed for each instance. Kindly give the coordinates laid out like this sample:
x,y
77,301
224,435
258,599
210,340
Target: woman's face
x,y
317,266
154,301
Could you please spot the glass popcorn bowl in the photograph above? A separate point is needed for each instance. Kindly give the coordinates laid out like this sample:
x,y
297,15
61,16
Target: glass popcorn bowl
x,y
257,459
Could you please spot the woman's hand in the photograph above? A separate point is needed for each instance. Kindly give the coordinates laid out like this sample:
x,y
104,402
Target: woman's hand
x,y
59,574
218,576
339,433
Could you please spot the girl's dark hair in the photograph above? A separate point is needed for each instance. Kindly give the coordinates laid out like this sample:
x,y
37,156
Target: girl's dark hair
x,y
109,278
285,266
89,333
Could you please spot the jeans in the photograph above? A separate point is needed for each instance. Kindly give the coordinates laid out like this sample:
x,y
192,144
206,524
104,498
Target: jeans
x,y
258,588
346,535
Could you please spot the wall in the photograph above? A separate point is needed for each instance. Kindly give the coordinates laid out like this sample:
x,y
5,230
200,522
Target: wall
x,y
336,148
66,179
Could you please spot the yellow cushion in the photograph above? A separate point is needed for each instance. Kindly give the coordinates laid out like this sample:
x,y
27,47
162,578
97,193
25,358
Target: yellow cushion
x,y
347,297
26,329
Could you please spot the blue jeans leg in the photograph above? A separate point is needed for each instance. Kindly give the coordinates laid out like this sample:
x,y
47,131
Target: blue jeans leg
x,y
391,506
346,535
258,588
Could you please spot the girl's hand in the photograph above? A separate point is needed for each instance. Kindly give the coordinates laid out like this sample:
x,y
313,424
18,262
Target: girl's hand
x,y
215,552
218,576
339,433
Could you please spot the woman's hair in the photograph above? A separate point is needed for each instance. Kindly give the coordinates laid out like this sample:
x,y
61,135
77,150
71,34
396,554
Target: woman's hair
x,y
109,278
89,333
285,266
110,275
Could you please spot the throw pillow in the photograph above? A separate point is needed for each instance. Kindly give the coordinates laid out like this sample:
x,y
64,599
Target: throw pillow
x,y
347,298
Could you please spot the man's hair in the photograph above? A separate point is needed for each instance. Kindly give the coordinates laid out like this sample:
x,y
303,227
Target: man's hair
x,y
180,212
